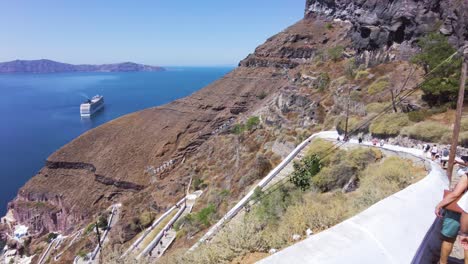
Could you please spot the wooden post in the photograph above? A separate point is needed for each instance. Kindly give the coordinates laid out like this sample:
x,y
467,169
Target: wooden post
x,y
456,128
346,137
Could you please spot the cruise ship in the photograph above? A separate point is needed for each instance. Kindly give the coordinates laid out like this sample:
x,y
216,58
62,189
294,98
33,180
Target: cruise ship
x,y
90,107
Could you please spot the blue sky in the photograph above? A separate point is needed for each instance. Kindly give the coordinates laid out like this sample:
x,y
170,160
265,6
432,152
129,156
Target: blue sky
x,y
157,32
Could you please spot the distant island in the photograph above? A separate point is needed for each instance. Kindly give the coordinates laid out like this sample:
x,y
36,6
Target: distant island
x,y
50,66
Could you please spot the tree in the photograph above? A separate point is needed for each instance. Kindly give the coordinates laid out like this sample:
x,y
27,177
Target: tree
x,y
304,171
442,86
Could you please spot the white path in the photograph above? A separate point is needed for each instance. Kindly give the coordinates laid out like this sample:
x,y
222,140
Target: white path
x,y
390,231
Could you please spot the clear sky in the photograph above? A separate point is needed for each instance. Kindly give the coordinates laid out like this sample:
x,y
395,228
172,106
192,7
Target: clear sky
x,y
157,32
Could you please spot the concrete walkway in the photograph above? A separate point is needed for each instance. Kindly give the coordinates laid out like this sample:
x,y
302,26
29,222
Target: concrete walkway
x,y
170,235
390,231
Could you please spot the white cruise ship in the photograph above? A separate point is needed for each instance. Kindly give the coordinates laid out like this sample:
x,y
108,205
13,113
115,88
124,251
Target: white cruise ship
x,y
90,107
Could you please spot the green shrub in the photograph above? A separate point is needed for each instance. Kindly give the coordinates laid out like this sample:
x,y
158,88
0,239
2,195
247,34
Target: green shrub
x,y
89,228
389,125
426,131
335,53
378,86
329,26
376,107
205,215
51,236
304,170
443,86
418,116
323,81
102,222
199,184
344,166
238,129
252,122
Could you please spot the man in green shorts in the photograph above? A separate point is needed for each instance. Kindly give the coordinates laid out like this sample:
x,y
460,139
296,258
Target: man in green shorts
x,y
450,228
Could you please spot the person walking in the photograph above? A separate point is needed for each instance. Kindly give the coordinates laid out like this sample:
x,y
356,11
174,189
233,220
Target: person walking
x,y
445,157
434,152
451,220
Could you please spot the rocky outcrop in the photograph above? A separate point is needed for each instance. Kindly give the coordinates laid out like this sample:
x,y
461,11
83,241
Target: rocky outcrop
x,y
49,66
380,24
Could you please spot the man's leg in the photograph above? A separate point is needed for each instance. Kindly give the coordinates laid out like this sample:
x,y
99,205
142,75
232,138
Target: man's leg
x,y
445,251
464,236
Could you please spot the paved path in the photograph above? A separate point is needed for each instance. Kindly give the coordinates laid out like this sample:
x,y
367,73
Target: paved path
x,y
170,235
390,231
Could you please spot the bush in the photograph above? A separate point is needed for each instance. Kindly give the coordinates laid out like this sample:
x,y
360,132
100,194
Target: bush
x,y
102,222
335,53
378,86
146,219
462,138
418,116
304,170
252,122
329,26
343,167
354,123
199,184
205,215
89,228
376,107
361,74
51,236
389,125
323,81
238,129
426,131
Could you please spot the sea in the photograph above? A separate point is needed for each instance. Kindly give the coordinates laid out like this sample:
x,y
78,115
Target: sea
x,y
40,112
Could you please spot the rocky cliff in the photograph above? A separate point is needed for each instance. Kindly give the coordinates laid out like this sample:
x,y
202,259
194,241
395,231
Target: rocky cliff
x,y
294,82
49,66
382,23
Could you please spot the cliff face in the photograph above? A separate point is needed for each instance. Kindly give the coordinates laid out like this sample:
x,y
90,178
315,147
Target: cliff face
x,y
48,66
382,23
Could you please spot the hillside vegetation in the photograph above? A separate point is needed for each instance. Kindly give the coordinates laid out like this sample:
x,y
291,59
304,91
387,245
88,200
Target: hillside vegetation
x,y
280,216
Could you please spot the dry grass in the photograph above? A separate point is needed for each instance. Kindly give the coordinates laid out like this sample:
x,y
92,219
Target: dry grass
x,y
427,131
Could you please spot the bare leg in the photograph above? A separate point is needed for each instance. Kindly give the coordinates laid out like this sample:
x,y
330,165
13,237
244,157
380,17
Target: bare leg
x,y
464,231
445,251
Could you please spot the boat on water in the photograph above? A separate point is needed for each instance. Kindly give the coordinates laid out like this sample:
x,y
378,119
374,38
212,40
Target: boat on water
x,y
91,106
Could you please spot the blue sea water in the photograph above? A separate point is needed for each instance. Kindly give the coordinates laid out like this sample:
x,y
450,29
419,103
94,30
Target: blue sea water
x,y
40,112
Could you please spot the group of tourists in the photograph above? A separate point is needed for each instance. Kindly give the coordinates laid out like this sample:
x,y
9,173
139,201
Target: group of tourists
x,y
455,213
